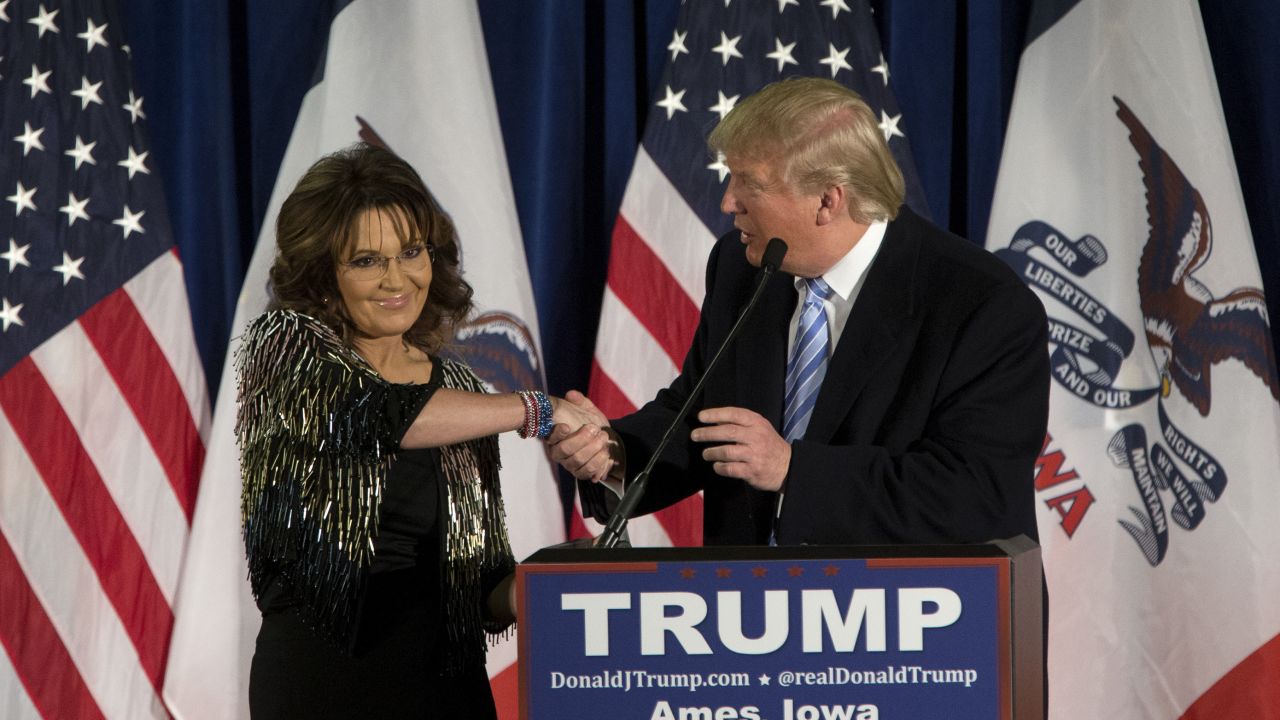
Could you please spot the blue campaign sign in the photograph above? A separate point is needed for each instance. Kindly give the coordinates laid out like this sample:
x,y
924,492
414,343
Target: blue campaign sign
x,y
766,639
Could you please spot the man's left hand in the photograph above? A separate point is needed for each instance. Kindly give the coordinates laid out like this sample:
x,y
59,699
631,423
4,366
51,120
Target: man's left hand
x,y
752,450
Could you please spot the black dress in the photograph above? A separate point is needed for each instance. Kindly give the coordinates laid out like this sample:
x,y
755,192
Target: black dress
x,y
393,667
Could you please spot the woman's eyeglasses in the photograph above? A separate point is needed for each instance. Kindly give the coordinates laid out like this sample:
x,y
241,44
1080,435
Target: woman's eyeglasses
x,y
373,267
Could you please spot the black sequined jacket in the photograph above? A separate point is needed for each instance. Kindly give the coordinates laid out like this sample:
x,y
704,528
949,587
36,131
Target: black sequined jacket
x,y
317,429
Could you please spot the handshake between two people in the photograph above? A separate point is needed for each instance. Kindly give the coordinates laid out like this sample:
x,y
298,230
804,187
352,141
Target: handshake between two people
x,y
740,444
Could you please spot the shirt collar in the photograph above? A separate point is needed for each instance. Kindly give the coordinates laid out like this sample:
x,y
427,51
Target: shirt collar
x,y
846,275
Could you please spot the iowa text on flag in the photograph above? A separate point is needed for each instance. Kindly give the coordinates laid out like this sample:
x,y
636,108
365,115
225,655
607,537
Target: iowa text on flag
x,y
670,215
1157,481
102,397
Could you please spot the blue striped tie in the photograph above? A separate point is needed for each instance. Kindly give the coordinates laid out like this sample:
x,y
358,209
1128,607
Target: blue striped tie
x,y
808,363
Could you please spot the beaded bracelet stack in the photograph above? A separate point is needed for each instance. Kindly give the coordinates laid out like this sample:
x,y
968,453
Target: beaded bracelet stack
x,y
537,415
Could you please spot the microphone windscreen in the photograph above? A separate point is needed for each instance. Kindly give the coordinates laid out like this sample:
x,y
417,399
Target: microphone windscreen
x,y
773,254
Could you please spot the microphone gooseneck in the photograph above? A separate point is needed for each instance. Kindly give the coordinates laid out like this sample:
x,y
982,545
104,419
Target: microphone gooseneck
x,y
771,261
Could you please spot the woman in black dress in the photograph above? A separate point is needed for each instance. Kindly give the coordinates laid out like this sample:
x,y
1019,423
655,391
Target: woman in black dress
x,y
373,521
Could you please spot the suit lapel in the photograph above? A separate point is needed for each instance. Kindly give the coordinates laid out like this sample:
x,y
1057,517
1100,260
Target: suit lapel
x,y
761,355
879,316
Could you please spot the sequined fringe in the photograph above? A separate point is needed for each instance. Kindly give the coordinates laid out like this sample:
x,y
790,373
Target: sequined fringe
x,y
315,444
315,447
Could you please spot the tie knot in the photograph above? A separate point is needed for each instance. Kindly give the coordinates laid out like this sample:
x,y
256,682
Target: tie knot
x,y
818,288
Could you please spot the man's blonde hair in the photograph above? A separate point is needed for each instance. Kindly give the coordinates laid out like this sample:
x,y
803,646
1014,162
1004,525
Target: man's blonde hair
x,y
818,133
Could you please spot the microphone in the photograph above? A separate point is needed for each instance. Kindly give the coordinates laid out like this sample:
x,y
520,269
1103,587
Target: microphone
x,y
769,264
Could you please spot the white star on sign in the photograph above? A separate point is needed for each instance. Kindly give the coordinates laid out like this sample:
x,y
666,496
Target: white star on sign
x,y
69,268
721,169
836,6
782,53
724,104
16,256
134,163
782,4
74,209
727,48
39,81
129,221
92,35
764,679
883,69
9,314
44,21
22,198
672,103
889,125
677,43
29,138
87,93
82,153
134,106
836,60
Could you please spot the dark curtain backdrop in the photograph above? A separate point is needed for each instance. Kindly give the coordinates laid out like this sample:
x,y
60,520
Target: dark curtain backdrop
x,y
573,78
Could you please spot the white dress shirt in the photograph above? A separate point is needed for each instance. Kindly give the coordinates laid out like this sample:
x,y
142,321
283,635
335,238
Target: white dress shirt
x,y
846,278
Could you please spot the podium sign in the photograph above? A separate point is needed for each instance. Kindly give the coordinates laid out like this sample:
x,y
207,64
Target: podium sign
x,y
808,633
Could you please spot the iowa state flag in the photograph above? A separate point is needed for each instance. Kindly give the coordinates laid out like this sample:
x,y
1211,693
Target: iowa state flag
x,y
1118,201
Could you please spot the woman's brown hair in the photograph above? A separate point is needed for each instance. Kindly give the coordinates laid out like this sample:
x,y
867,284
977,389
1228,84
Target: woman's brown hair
x,y
316,230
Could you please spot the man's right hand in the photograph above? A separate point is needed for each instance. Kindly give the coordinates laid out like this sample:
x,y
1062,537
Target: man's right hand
x,y
591,452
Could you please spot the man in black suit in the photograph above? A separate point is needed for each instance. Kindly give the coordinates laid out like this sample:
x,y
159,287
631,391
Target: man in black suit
x,y
892,385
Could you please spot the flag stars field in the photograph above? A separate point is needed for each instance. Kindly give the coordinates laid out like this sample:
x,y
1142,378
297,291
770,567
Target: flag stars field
x,y
16,255
44,21
74,209
134,106
728,48
38,81
22,199
130,221
835,60
677,45
93,36
673,102
82,152
134,163
782,54
9,314
836,6
70,268
88,93
889,125
29,138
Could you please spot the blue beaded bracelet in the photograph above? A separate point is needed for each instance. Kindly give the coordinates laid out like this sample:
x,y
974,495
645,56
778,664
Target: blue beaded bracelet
x,y
538,415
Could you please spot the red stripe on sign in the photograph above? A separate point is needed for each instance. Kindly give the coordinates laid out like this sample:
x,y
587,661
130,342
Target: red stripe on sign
x,y
1249,690
147,382
644,284
36,651
75,485
606,394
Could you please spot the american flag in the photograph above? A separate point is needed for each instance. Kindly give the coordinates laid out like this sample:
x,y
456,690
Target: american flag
x,y
103,402
719,53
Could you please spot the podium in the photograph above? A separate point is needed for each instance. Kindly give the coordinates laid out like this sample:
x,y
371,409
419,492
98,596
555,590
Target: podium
x,y
783,633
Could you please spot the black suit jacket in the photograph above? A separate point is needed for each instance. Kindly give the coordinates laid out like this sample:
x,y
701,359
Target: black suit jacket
x,y
928,423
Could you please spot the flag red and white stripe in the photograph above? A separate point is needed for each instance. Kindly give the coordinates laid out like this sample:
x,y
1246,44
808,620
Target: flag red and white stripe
x,y
100,448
